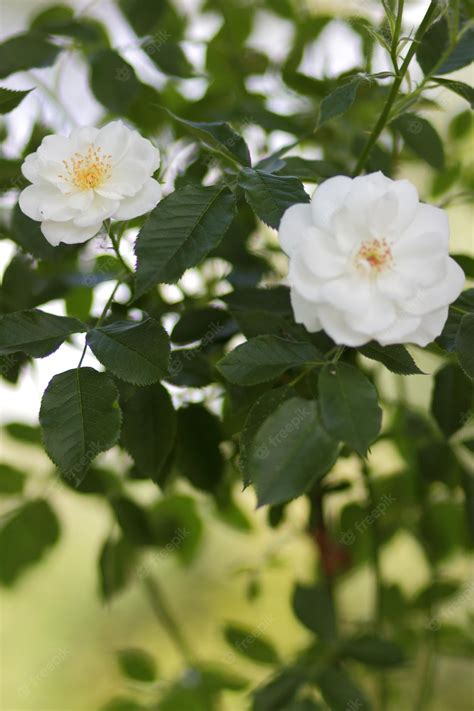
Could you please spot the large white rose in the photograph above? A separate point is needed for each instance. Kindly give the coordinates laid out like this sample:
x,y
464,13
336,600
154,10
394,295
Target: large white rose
x,y
368,261
95,174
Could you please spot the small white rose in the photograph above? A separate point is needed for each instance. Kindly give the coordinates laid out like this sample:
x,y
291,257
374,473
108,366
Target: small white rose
x,y
91,176
368,261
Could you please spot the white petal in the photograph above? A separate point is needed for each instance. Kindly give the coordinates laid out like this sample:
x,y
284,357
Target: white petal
x,y
30,201
337,328
31,169
293,226
68,232
441,294
141,203
99,210
84,136
56,148
407,204
328,197
379,314
399,330
428,220
320,251
305,312
114,139
430,327
303,280
349,293
395,285
43,201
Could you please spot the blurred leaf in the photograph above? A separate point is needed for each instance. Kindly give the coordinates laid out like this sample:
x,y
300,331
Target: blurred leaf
x,y
339,101
396,358
189,368
262,409
176,526
314,609
60,20
250,643
219,137
137,664
24,433
79,418
180,232
207,324
340,692
122,703
135,351
452,401
436,42
79,302
459,87
12,480
35,332
198,457
26,51
292,439
11,177
133,520
274,299
113,81
465,344
149,429
278,692
9,99
25,537
169,58
308,170
116,563
271,195
374,651
264,358
422,138
349,406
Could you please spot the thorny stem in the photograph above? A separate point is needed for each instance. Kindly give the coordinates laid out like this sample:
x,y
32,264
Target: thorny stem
x,y
396,34
380,125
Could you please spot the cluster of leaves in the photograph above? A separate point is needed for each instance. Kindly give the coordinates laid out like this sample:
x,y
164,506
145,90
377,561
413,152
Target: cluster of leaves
x,y
289,402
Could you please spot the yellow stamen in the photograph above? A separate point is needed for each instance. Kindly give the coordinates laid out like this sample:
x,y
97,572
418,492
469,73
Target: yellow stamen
x,y
88,171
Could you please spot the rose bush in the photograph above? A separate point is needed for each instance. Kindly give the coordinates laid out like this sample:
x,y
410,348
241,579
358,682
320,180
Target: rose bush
x,y
236,345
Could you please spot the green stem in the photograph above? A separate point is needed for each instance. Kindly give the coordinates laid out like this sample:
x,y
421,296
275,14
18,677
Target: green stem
x,y
380,125
396,34
162,612
102,316
116,245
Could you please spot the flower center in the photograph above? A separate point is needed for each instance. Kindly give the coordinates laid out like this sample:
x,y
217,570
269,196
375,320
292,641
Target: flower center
x,y
374,256
89,170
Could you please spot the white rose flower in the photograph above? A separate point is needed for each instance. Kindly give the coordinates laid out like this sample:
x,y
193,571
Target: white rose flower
x,y
95,174
368,261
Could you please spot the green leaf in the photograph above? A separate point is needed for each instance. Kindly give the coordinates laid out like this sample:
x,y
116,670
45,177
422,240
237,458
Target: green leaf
x,y
177,527
116,563
262,409
422,138
264,358
27,233
79,418
113,81
149,429
271,195
207,325
452,401
275,299
251,644
133,520
79,302
137,352
122,703
339,100
314,609
25,537
137,664
339,691
396,358
311,171
465,344
219,137
374,651
11,177
9,99
169,58
35,332
278,692
459,87
436,42
24,433
198,456
189,368
349,406
12,480
180,232
60,20
290,451
26,51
